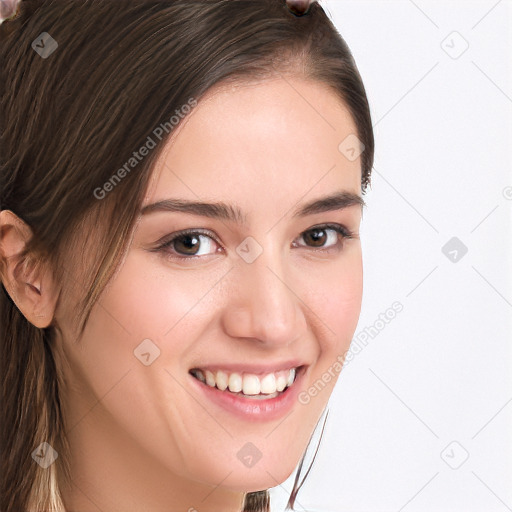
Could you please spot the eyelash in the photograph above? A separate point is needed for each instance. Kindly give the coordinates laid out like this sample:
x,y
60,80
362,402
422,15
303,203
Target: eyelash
x,y
338,228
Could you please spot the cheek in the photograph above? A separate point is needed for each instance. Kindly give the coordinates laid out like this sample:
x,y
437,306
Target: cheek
x,y
335,298
147,298
345,306
335,295
144,301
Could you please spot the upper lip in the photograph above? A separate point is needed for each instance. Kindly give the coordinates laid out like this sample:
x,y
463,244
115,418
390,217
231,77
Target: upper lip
x,y
254,368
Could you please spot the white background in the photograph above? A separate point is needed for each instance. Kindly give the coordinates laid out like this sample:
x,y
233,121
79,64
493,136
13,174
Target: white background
x,y
441,370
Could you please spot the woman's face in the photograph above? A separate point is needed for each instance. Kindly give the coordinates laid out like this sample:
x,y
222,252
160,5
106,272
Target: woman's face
x,y
249,295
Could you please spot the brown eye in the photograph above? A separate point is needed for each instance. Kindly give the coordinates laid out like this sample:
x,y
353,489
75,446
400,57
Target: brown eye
x,y
316,236
191,243
325,237
187,244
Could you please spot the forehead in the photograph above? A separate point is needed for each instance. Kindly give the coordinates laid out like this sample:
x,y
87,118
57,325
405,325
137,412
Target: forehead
x,y
262,145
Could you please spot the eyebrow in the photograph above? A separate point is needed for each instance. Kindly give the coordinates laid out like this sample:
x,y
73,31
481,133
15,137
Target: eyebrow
x,y
220,210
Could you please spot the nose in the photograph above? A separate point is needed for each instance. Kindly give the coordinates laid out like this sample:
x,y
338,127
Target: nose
x,y
263,304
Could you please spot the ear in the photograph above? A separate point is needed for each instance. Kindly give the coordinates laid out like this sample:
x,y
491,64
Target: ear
x,y
31,287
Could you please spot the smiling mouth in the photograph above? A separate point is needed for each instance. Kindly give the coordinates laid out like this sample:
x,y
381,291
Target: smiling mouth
x,y
249,385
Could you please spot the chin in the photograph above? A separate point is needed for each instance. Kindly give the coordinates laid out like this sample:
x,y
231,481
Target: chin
x,y
265,477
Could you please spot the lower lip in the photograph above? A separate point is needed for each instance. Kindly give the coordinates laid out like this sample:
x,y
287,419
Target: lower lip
x,y
254,410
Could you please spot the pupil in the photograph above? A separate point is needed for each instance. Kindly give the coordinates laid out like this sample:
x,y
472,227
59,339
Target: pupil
x,y
191,242
318,238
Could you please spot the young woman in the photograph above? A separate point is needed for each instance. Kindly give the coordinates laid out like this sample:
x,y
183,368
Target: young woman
x,y
180,197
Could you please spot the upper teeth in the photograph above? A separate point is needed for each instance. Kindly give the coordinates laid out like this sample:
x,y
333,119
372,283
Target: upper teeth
x,y
248,383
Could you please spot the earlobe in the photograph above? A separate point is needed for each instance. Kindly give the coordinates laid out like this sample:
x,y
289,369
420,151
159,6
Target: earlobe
x,y
30,286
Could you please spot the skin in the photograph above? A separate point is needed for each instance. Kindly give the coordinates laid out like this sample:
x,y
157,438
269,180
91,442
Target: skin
x,y
299,7
140,439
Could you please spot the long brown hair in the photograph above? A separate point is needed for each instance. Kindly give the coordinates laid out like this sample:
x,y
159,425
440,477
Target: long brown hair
x,y
71,118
